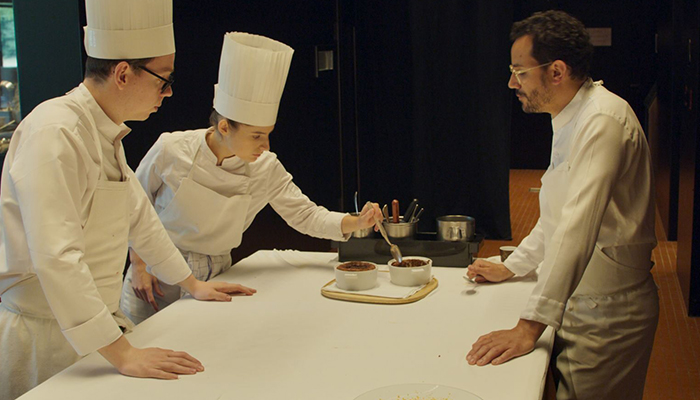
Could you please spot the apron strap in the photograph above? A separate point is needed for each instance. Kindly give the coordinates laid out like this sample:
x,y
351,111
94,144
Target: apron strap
x,y
194,161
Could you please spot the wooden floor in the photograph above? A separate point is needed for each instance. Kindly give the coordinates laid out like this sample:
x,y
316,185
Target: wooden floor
x,y
674,372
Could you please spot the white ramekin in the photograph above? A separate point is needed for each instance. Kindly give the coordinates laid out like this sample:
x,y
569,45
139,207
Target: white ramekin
x,y
411,276
356,280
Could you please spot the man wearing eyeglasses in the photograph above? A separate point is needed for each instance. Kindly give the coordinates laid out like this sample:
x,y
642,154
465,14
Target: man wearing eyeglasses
x,y
70,207
593,241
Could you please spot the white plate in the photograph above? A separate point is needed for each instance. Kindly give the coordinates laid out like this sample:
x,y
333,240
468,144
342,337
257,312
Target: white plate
x,y
418,391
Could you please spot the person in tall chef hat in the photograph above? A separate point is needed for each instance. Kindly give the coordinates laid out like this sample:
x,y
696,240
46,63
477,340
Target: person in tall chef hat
x,y
70,207
207,185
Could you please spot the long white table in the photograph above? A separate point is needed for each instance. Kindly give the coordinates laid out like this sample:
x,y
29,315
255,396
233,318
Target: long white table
x,y
289,342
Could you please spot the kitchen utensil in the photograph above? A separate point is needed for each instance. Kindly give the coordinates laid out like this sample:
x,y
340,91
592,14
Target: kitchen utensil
x,y
357,208
415,218
413,213
385,212
455,228
409,210
400,230
468,279
400,296
395,211
393,249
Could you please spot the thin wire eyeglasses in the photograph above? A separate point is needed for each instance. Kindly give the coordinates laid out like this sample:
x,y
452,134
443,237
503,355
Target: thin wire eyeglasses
x,y
518,72
166,82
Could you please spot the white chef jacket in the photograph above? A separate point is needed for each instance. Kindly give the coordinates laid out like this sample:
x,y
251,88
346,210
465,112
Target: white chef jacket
x,y
48,180
170,160
609,203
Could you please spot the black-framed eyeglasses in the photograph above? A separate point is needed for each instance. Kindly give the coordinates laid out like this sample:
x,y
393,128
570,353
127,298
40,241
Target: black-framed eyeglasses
x,y
166,82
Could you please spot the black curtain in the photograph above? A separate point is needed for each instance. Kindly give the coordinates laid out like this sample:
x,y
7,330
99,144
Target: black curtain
x,y
434,108
305,138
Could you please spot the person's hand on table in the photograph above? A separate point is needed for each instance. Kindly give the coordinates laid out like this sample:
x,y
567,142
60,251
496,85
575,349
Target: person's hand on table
x,y
150,362
142,282
484,271
369,214
500,346
216,291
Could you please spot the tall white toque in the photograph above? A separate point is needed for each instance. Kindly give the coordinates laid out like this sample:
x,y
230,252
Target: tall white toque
x,y
252,74
129,29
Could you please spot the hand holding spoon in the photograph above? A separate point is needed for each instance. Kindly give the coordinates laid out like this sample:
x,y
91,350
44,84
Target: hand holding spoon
x,y
393,249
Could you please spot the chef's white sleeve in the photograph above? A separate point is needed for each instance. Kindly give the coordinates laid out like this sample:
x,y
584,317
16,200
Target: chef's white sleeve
x,y
48,180
529,253
149,239
299,211
597,160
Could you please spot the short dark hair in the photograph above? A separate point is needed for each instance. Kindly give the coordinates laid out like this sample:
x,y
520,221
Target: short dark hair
x,y
99,69
557,35
215,117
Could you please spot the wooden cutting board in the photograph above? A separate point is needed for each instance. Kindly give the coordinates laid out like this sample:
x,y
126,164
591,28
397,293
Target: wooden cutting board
x,y
365,298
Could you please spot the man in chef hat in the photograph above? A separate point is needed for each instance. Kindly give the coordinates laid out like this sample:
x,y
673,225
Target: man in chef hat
x,y
70,207
207,185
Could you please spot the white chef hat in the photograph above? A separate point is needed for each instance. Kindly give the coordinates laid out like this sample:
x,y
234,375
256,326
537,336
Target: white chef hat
x,y
129,29
252,74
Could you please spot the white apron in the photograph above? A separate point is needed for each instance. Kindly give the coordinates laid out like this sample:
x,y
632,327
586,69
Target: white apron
x,y
38,349
201,220
603,347
205,226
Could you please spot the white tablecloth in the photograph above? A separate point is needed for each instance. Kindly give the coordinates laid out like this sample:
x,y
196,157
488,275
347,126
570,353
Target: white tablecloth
x,y
289,342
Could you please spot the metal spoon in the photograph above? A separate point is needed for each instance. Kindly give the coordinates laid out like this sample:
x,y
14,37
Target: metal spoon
x,y
393,249
385,212
357,209
468,279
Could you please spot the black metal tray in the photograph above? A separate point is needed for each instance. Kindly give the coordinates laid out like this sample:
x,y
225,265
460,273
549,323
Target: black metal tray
x,y
443,254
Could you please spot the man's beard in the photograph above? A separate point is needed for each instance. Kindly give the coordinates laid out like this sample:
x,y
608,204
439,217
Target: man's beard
x,y
536,100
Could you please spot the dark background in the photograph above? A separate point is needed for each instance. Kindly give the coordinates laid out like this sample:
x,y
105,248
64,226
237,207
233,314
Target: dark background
x,y
417,104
